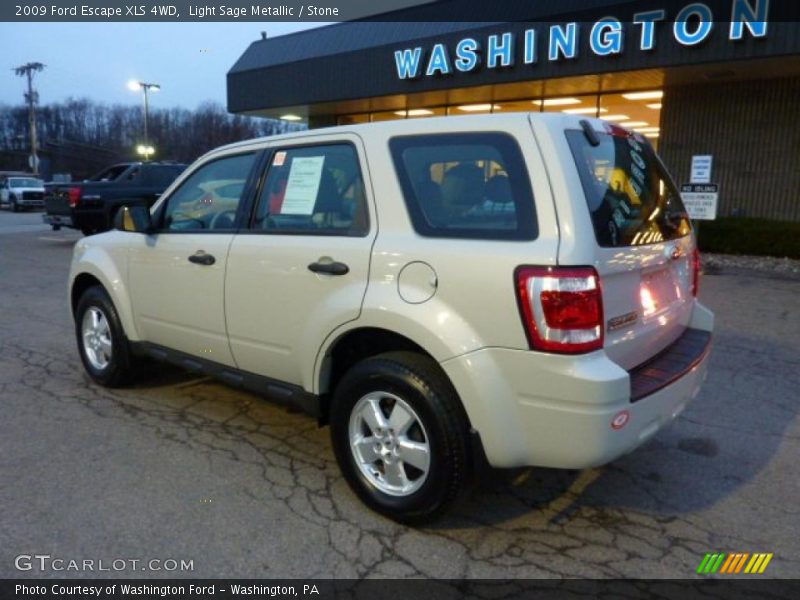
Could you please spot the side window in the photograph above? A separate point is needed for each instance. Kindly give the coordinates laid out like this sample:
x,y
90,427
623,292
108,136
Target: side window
x,y
313,190
209,198
162,176
466,185
132,176
109,174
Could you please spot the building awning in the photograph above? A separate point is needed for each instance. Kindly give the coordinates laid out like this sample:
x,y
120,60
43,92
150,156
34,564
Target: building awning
x,y
357,66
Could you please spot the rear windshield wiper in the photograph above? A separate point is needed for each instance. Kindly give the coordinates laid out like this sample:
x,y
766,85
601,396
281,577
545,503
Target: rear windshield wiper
x,y
590,133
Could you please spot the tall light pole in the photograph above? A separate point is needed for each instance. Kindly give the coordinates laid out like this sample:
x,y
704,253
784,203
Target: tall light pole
x,y
31,97
146,88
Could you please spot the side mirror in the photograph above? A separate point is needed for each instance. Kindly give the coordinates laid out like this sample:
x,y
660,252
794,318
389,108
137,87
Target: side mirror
x,y
135,219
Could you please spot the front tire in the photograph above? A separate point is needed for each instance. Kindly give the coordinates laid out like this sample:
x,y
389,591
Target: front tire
x,y
101,340
14,205
401,436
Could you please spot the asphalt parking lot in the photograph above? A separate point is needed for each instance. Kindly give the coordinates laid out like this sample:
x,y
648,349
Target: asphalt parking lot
x,y
187,469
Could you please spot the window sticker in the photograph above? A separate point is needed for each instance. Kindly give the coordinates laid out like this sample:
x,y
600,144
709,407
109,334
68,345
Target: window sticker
x,y
303,185
280,158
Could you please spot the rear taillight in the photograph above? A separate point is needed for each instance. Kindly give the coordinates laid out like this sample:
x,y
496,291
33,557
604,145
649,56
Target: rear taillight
x,y
695,271
74,194
562,308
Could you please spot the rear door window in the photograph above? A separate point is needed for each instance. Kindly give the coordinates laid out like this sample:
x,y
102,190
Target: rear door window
x,y
313,190
630,196
466,185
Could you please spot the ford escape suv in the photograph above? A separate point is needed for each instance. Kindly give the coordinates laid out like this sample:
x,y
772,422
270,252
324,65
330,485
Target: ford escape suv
x,y
520,287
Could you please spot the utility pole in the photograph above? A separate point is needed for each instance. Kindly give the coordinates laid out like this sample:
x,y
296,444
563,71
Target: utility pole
x,y
31,97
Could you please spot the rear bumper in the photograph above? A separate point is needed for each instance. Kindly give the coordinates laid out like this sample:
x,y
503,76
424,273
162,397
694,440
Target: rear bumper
x,y
670,365
534,409
59,220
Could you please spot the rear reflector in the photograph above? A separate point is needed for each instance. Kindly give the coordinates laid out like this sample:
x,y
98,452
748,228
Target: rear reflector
x,y
696,265
562,308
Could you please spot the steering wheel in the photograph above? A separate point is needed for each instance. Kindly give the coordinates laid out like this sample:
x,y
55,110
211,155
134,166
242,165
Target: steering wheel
x,y
215,219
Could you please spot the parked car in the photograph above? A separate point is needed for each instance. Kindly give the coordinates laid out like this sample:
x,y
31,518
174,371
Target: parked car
x,y
519,287
21,192
91,205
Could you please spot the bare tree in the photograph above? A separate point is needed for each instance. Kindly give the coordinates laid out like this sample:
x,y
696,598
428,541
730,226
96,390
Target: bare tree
x,y
81,136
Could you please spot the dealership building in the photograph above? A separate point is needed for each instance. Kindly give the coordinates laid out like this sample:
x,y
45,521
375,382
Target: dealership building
x,y
715,78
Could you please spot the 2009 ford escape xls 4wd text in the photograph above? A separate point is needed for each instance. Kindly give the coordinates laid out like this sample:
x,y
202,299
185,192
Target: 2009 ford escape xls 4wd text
x,y
518,285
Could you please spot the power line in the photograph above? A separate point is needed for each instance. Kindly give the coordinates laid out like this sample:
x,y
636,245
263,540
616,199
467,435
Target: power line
x,y
32,98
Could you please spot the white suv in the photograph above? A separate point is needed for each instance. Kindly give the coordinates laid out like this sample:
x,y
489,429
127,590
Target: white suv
x,y
520,287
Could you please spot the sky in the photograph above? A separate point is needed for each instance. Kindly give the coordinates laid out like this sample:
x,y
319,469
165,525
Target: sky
x,y
97,60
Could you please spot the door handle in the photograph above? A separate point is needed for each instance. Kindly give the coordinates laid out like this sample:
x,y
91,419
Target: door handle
x,y
201,258
330,268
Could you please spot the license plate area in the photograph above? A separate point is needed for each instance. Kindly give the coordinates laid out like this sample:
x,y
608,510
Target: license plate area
x,y
662,289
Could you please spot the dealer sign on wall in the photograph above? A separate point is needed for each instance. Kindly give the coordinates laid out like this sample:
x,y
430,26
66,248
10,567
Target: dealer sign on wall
x,y
691,27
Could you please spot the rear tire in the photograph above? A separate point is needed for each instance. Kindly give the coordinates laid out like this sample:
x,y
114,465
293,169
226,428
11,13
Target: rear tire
x,y
102,343
401,436
87,231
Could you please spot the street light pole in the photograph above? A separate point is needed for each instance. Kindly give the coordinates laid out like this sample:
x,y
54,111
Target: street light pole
x,y
145,87
146,111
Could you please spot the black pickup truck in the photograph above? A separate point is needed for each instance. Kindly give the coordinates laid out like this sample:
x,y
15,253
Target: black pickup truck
x,y
90,205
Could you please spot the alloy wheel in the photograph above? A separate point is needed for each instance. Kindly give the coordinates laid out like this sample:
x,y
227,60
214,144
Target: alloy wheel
x,y
389,443
96,335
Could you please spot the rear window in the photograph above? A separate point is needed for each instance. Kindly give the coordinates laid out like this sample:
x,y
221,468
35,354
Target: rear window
x,y
25,182
110,174
163,176
466,185
630,196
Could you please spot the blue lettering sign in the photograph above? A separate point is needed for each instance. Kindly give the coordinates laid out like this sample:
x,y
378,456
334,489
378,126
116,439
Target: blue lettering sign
x,y
606,37
407,62
439,61
705,24
648,22
563,41
496,49
693,25
530,46
467,57
744,15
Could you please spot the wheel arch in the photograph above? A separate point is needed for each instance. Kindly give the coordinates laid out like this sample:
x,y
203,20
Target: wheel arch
x,y
79,286
359,343
356,344
107,276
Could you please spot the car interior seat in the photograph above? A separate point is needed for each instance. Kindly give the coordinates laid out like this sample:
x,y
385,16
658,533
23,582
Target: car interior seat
x,y
463,187
498,190
431,201
330,203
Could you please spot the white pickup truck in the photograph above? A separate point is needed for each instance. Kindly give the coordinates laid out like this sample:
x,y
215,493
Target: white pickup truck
x,y
21,192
